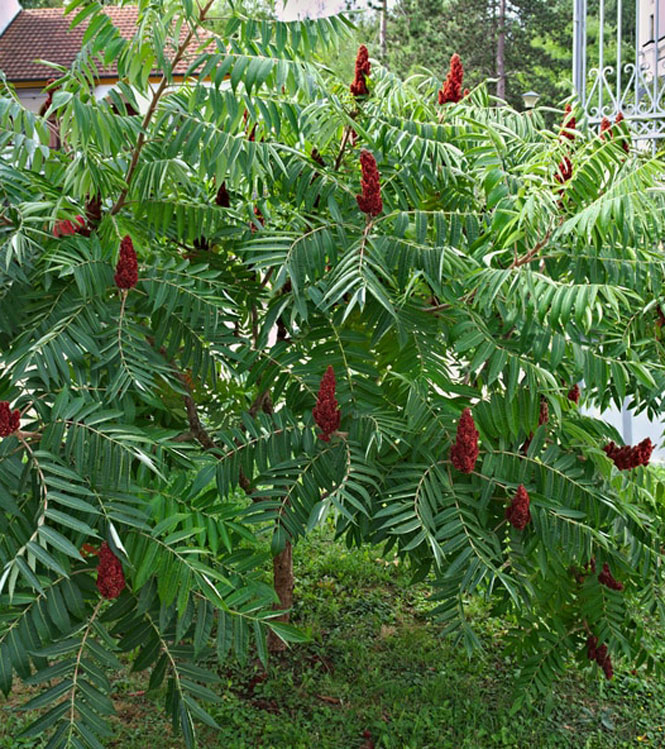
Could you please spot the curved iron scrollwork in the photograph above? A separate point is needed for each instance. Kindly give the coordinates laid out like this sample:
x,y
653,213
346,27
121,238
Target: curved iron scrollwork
x,y
634,85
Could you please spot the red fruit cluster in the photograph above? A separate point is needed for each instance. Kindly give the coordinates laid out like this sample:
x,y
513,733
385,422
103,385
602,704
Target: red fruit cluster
x,y
661,317
543,418
606,125
93,209
464,451
574,394
252,133
370,201
49,94
222,198
568,124
67,228
110,577
564,170
326,412
627,456
9,420
518,513
600,655
624,142
605,578
452,86
127,269
259,217
363,66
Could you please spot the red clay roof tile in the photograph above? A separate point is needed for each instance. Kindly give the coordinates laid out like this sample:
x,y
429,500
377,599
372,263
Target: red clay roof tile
x,y
44,34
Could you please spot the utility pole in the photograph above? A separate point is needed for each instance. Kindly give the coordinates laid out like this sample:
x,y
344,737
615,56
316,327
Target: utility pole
x,y
501,52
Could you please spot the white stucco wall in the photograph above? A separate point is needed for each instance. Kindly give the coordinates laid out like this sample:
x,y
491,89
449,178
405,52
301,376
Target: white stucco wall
x,y
8,9
651,19
31,98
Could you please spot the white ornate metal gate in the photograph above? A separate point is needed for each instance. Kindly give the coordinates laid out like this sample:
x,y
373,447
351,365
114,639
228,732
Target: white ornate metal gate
x,y
619,66
619,62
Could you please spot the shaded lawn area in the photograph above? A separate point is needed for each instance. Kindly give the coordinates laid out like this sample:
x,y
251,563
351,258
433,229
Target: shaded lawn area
x,y
378,674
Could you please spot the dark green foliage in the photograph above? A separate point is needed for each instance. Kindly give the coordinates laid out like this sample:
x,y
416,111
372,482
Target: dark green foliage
x,y
483,284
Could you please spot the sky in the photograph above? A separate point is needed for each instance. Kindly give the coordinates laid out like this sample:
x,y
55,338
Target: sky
x,y
295,9
302,8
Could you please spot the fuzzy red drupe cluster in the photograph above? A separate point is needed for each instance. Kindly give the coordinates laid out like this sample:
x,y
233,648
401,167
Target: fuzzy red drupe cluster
x,y
259,217
564,170
595,652
624,142
606,578
66,228
627,456
222,198
9,420
93,209
452,86
518,513
370,201
660,321
464,451
606,127
127,269
49,94
574,394
110,577
543,418
326,412
363,66
600,655
568,124
251,136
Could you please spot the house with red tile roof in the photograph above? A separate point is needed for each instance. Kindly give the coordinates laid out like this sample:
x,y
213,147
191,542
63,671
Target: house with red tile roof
x,y
30,35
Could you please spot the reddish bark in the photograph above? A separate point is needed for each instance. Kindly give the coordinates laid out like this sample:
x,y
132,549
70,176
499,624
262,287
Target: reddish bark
x,y
282,567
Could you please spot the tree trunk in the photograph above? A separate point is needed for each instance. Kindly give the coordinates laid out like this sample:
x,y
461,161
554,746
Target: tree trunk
x,y
282,568
383,32
500,52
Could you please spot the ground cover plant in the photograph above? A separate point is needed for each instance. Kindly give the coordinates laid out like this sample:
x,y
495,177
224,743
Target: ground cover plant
x,y
275,297
377,671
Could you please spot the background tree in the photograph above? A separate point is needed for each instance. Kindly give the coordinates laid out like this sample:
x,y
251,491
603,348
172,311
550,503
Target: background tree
x,y
266,300
536,48
41,3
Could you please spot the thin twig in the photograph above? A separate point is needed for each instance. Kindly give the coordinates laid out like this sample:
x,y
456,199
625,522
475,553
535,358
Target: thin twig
x,y
140,141
345,139
518,261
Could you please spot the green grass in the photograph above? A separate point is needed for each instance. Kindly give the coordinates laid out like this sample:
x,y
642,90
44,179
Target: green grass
x,y
377,673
